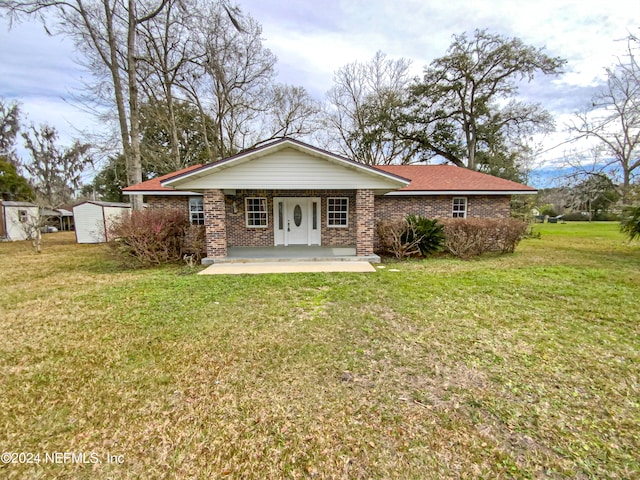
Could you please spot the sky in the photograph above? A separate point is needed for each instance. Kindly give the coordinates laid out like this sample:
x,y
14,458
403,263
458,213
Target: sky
x,y
313,39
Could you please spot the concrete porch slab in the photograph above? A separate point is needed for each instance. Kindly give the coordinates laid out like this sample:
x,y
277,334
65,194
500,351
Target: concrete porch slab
x,y
253,268
290,254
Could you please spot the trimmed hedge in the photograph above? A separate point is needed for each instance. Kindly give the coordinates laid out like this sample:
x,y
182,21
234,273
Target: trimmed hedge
x,y
469,237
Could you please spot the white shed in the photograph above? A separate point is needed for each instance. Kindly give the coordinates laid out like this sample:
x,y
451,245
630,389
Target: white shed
x,y
17,219
92,219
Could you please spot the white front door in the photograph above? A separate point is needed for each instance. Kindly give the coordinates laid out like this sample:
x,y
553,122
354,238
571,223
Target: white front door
x,y
297,220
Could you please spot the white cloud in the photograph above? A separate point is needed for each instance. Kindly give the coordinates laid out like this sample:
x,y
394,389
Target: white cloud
x,y
313,39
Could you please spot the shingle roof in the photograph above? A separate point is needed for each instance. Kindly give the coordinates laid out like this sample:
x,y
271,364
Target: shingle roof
x,y
154,185
451,178
424,178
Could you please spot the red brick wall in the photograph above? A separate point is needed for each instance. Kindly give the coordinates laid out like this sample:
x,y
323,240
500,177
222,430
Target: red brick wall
x,y
178,202
215,224
384,207
436,206
365,202
238,234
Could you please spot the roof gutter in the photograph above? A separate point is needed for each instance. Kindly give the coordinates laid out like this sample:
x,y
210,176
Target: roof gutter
x,y
162,193
461,192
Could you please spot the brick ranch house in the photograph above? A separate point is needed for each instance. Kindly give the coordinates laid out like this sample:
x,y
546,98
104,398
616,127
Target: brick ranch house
x,y
288,193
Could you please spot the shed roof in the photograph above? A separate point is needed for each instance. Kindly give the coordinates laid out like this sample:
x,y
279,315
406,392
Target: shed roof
x,y
105,204
8,203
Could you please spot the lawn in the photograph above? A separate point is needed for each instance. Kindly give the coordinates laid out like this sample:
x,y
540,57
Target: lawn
x,y
515,366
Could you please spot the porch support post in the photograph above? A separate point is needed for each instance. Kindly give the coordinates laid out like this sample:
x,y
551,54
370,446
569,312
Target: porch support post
x,y
365,227
215,224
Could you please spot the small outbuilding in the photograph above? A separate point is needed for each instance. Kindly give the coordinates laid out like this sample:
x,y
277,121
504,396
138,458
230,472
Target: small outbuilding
x,y
17,220
92,219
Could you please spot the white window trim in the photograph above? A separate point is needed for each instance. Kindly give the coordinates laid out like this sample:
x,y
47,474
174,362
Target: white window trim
x,y
246,212
466,207
347,217
192,203
23,216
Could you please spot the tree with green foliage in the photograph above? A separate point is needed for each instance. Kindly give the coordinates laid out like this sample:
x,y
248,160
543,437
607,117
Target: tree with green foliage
x,y
161,129
466,110
13,186
594,194
630,223
108,183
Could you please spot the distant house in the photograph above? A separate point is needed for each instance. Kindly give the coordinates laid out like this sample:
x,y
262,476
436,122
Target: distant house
x,y
16,218
92,219
59,218
288,193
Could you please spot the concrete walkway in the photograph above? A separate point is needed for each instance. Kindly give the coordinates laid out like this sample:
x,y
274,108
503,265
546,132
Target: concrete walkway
x,y
286,267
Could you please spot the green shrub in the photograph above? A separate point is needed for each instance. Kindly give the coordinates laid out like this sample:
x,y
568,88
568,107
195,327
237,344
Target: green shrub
x,y
549,210
149,237
630,223
427,233
576,217
469,237
412,236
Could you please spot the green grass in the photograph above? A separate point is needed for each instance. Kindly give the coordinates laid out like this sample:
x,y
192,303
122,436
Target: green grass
x,y
516,366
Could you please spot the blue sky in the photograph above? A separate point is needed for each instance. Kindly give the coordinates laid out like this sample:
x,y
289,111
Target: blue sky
x,y
313,39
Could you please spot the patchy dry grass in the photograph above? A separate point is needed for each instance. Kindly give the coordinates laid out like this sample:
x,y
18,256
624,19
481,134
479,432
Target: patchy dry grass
x,y
520,366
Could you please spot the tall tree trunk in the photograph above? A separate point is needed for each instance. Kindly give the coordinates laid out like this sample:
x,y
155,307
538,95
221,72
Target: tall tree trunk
x,y
173,127
134,164
118,89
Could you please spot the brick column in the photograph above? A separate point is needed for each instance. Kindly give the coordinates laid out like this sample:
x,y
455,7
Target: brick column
x,y
365,227
215,223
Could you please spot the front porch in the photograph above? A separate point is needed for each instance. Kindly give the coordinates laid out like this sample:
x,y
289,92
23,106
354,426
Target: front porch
x,y
293,225
292,253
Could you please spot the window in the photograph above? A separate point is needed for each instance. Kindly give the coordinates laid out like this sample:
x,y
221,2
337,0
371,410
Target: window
x,y
23,216
314,215
256,211
459,207
196,211
337,212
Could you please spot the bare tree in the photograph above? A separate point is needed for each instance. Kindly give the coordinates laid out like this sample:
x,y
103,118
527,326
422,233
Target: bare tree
x,y
55,173
106,33
614,119
240,72
166,53
9,127
291,112
361,104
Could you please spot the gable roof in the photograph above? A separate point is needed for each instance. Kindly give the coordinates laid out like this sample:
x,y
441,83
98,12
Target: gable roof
x,y
154,186
286,164
407,179
449,179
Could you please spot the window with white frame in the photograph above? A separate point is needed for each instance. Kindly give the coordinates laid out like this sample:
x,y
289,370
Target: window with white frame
x,y
23,216
196,210
256,212
337,212
459,207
